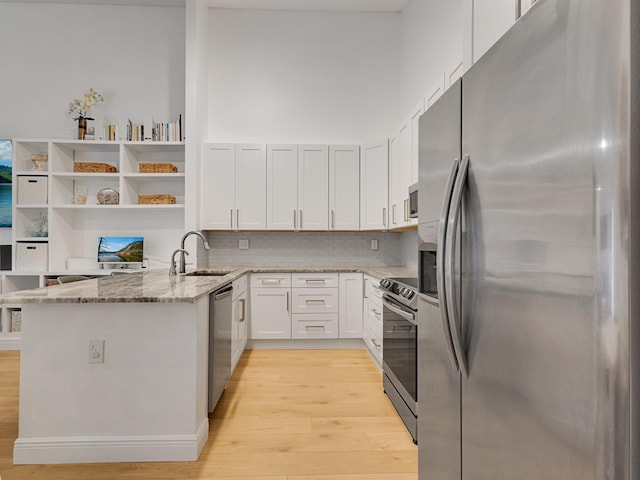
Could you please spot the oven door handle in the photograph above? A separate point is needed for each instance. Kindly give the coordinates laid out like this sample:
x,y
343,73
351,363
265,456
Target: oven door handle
x,y
409,317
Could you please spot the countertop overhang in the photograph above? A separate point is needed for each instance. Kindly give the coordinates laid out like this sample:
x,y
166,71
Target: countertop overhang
x,y
156,286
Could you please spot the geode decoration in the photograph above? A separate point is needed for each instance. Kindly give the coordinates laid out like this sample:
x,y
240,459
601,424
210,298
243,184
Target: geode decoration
x,y
108,196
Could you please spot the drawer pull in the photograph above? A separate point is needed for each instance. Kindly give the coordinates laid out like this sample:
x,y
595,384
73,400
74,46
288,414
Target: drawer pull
x,y
375,344
375,311
315,280
308,327
314,301
271,281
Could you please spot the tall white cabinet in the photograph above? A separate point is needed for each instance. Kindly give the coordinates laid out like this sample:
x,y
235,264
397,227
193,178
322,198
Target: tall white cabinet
x,y
234,188
344,187
297,187
374,185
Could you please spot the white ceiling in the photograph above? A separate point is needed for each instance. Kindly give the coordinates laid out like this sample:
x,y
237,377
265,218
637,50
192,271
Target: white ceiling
x,y
315,5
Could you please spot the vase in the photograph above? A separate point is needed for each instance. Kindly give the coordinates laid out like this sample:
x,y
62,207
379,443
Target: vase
x,y
82,127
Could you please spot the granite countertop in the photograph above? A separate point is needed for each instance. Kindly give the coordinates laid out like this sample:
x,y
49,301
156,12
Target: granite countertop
x,y
155,286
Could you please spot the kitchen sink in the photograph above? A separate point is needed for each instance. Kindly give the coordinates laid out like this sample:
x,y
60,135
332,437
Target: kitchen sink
x,y
205,273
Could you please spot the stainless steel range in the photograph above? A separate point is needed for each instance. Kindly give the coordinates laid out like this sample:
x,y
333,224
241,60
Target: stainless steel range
x,y
400,348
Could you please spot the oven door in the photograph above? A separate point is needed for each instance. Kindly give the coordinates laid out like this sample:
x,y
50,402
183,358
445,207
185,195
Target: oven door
x,y
400,348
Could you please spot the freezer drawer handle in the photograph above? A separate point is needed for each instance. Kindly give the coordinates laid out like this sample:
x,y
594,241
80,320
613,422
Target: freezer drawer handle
x,y
452,230
440,253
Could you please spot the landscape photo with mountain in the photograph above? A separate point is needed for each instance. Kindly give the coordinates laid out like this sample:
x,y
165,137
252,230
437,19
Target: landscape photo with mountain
x,y
120,249
6,153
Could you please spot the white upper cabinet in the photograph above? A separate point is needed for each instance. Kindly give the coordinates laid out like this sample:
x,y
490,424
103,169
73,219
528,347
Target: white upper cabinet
x,y
233,187
344,187
218,186
374,185
297,187
395,199
417,111
251,187
282,187
313,187
486,21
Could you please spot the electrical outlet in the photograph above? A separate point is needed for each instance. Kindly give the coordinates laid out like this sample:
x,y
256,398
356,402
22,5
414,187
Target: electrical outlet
x,y
96,351
243,244
374,244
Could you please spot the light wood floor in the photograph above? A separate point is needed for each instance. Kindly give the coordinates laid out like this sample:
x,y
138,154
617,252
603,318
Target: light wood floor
x,y
286,415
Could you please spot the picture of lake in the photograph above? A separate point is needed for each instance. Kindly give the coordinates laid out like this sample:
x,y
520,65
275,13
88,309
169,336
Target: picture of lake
x,y
5,204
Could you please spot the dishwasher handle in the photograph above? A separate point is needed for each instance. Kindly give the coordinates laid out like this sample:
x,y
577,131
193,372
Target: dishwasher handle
x,y
223,292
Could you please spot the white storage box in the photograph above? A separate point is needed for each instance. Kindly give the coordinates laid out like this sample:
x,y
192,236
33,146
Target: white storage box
x,y
32,256
32,190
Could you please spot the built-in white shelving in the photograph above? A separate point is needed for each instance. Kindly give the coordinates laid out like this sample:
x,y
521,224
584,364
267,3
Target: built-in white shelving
x,y
52,193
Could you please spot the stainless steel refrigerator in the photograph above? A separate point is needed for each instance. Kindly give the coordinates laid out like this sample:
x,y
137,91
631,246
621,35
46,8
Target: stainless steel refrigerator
x,y
529,313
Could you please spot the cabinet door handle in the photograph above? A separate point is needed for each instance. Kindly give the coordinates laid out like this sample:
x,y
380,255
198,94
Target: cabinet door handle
x,y
295,217
384,217
231,219
518,8
238,219
364,294
406,210
242,302
393,214
333,219
287,302
300,219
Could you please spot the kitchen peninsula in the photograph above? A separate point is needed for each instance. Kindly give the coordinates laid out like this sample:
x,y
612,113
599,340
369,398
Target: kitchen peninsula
x,y
147,401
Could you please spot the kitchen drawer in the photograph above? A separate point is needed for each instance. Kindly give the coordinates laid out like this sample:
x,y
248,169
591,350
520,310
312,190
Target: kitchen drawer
x,y
314,325
314,300
374,318
374,344
317,280
239,285
372,288
279,280
32,190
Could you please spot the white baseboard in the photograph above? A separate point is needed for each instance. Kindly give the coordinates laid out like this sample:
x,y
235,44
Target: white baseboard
x,y
10,343
94,449
307,344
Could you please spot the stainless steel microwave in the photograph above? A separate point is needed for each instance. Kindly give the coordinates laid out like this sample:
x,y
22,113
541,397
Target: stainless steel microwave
x,y
413,201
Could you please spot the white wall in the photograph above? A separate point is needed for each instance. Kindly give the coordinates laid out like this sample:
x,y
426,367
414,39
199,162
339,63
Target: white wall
x,y
52,53
302,77
432,32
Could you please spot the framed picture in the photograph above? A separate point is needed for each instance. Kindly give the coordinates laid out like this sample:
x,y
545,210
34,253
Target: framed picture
x,y
6,153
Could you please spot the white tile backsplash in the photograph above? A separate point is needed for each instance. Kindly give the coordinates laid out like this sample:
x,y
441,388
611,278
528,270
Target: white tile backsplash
x,y
311,249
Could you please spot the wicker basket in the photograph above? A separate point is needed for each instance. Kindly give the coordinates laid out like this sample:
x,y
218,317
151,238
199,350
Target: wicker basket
x,y
93,167
156,199
154,167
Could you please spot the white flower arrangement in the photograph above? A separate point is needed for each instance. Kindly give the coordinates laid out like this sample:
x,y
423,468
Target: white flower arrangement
x,y
83,106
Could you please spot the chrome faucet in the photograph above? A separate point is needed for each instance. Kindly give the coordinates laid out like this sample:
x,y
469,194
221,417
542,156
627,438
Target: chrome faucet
x,y
172,268
183,264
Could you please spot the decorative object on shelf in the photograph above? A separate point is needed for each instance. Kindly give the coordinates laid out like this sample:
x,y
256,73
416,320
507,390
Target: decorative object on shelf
x,y
108,196
156,199
39,228
39,161
79,194
157,167
93,167
82,108
16,321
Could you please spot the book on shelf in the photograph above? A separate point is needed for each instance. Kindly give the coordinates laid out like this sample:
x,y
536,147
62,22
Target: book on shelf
x,y
147,131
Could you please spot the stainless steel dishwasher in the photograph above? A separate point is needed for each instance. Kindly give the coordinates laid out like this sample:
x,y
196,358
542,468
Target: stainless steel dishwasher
x,y
219,343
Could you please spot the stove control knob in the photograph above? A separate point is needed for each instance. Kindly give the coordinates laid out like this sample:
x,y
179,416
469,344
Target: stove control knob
x,y
410,294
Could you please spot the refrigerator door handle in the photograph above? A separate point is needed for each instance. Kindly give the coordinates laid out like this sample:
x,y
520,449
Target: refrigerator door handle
x,y
452,230
440,253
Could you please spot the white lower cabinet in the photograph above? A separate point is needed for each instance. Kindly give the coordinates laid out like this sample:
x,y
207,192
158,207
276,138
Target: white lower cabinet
x,y
239,320
314,305
270,306
350,305
373,318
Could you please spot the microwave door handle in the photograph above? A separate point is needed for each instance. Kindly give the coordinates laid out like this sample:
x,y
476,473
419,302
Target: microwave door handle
x,y
452,230
440,273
